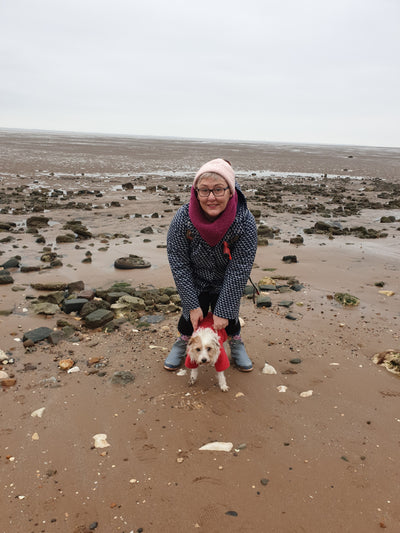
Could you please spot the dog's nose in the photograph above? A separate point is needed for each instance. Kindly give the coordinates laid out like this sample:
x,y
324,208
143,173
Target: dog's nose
x,y
204,360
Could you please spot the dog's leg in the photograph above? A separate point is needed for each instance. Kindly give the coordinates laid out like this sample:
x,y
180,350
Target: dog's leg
x,y
193,376
222,382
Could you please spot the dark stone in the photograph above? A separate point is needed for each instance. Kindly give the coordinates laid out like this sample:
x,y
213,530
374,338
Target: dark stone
x,y
37,222
295,361
297,287
92,306
55,337
290,316
264,481
74,304
231,513
297,240
5,279
26,268
289,259
147,230
98,318
11,263
285,303
68,237
38,334
263,301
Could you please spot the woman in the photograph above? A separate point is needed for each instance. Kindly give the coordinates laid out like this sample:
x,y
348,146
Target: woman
x,y
211,245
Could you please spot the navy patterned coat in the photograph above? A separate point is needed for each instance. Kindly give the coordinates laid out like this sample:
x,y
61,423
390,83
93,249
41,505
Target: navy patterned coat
x,y
198,267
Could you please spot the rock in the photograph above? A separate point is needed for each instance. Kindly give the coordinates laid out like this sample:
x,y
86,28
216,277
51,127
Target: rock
x,y
98,318
122,377
45,308
390,359
57,286
297,240
285,303
263,301
77,227
11,263
264,481
37,222
289,259
74,305
48,257
9,382
93,305
5,277
56,297
346,299
67,237
32,268
130,262
387,219
295,361
291,316
130,303
147,230
37,335
75,286
66,364
56,336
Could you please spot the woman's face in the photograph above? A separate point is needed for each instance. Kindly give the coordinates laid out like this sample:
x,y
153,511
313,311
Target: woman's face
x,y
211,205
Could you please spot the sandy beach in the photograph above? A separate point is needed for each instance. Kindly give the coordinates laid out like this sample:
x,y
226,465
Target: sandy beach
x,y
299,463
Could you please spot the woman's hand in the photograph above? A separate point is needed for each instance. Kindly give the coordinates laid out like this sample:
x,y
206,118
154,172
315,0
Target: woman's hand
x,y
196,315
220,323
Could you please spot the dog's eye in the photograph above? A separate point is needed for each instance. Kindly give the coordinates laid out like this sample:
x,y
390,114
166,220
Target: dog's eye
x,y
208,348
198,350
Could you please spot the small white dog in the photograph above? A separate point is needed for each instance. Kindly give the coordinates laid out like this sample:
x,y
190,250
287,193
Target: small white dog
x,y
206,347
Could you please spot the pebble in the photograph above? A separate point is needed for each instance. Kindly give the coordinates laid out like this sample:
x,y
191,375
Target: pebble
x,y
100,440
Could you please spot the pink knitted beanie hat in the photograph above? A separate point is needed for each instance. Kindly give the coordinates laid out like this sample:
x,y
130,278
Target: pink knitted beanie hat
x,y
221,167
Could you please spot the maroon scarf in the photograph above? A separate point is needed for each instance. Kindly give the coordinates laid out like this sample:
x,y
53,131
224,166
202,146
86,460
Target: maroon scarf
x,y
212,231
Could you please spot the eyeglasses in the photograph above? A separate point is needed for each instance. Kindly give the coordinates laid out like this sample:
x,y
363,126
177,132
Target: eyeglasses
x,y
217,191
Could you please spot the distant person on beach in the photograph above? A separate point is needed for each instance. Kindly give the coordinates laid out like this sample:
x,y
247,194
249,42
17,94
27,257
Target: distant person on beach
x,y
211,245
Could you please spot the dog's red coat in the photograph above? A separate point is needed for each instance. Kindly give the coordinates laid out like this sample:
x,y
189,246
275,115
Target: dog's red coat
x,y
222,361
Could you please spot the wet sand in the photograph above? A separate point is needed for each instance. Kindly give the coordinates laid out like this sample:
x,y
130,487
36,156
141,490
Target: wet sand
x,y
298,464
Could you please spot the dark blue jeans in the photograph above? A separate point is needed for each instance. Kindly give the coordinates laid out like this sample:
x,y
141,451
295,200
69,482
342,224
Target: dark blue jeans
x,y
208,300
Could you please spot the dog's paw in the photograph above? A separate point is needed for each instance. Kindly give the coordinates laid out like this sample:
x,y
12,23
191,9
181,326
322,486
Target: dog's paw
x,y
192,382
224,388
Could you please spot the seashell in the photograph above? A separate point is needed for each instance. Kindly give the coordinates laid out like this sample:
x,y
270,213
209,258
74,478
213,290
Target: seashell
x,y
66,364
100,440
306,393
73,370
282,388
268,369
3,375
38,413
239,394
217,447
35,436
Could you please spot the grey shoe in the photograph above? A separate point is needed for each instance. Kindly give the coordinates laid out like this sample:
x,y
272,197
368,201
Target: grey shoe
x,y
239,356
176,355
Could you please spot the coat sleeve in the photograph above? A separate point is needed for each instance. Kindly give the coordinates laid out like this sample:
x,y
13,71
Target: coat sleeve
x,y
179,261
238,270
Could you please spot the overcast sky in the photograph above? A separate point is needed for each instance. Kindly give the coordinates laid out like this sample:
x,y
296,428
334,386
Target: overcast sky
x,y
315,71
